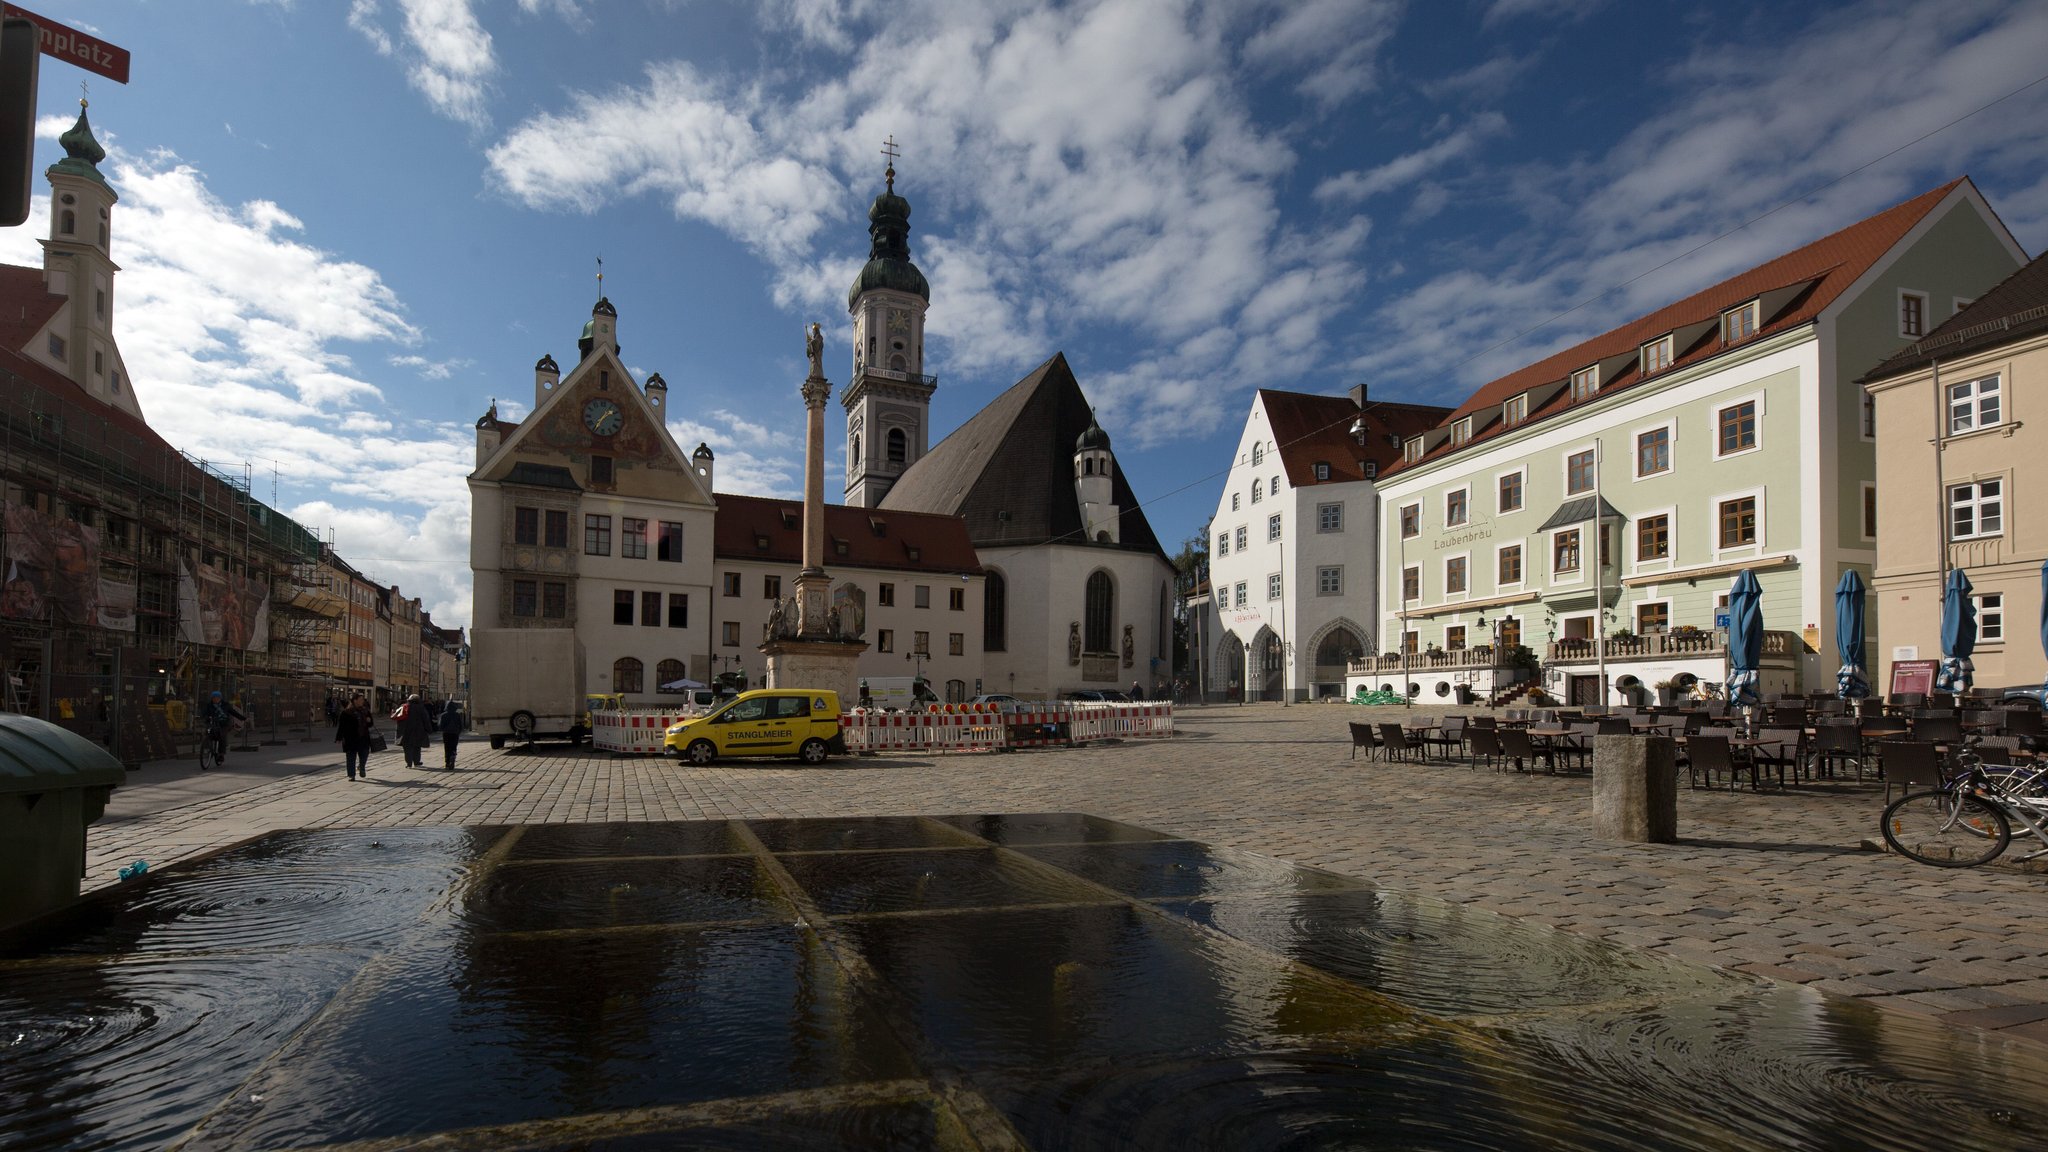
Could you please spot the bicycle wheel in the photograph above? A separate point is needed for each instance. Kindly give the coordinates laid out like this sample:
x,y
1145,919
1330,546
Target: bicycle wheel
x,y
209,754
1946,829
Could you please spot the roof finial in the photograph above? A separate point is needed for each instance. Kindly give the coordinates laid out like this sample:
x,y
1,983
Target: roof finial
x,y
600,277
889,150
81,94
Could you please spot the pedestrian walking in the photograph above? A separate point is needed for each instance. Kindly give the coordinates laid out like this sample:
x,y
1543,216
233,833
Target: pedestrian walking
x,y
352,727
451,731
412,730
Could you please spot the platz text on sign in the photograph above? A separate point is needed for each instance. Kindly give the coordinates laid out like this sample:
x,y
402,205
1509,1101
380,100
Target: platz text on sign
x,y
68,44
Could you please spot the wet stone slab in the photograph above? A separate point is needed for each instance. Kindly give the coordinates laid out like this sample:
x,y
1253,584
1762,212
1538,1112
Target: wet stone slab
x,y
1046,980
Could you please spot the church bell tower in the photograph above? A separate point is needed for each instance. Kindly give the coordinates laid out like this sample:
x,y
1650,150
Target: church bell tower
x,y
888,402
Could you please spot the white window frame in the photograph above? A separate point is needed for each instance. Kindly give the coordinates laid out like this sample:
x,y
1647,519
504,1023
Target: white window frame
x,y
1233,501
1990,617
1273,527
1256,484
1565,575
1635,539
1670,429
1661,345
1238,599
1564,468
1466,592
1223,543
1411,450
1750,310
1514,410
1714,411
1274,586
1461,432
1328,575
1502,547
1866,496
1973,394
1926,313
1242,538
1400,591
1585,383
1762,522
1273,486
1401,514
1322,470
1466,492
1323,519
1258,452
1522,472
1977,504
1635,614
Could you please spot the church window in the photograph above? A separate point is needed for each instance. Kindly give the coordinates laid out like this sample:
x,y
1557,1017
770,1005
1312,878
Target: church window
x,y
994,592
1258,454
898,363
98,363
899,446
856,449
626,674
526,525
670,546
103,233
600,469
668,672
67,223
558,528
99,301
604,381
1100,613
522,597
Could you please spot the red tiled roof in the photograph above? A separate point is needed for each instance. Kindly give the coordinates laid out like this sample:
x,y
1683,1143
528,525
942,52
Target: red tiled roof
x,y
1820,271
1311,429
940,542
25,306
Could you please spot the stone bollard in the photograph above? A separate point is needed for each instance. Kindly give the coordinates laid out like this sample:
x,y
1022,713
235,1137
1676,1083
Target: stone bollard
x,y
1635,789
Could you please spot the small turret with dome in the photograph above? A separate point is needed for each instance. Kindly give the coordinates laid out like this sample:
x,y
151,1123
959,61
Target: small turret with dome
x,y
1094,483
888,402
78,264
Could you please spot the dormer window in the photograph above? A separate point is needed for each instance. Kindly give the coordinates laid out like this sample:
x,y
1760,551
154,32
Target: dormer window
x,y
1372,469
1322,470
1515,410
1585,382
1739,324
1412,450
1461,432
1657,355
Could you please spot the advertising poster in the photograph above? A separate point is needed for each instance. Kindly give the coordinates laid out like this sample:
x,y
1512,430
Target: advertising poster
x,y
51,569
217,607
117,605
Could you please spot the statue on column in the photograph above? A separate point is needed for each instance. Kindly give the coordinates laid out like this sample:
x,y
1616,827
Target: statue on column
x,y
814,348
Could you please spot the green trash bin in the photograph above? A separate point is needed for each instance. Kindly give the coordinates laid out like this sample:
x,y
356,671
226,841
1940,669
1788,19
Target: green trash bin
x,y
53,782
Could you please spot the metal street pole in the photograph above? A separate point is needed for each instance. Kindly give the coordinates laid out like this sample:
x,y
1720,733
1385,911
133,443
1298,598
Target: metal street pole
x,y
1599,576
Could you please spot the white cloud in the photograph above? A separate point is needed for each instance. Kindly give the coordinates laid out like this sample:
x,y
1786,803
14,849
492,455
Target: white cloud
x,y
1501,11
747,457
446,52
1356,186
430,369
1333,44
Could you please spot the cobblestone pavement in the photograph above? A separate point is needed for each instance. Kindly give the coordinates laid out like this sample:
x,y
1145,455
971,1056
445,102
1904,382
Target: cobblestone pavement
x,y
1779,884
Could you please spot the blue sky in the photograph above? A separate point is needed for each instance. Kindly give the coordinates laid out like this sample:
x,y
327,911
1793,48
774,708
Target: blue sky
x,y
346,225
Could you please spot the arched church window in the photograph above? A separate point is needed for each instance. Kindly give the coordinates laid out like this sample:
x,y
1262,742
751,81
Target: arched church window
x,y
898,363
994,630
668,672
899,446
1255,491
856,449
626,675
1258,453
1099,617
67,223
1088,467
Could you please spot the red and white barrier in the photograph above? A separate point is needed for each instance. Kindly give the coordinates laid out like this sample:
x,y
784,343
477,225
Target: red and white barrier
x,y
635,732
987,728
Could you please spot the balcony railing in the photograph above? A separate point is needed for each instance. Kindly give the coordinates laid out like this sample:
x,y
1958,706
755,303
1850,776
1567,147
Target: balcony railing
x,y
1664,646
1483,656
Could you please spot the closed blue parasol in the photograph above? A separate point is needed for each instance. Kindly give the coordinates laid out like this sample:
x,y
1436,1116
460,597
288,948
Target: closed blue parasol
x,y
1958,634
1850,683
1745,638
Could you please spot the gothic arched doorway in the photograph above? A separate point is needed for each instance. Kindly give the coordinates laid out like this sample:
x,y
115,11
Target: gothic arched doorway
x,y
1334,654
1226,674
1268,665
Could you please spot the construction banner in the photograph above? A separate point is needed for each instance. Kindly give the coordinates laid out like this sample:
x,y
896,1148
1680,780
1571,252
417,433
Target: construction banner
x,y
220,608
52,569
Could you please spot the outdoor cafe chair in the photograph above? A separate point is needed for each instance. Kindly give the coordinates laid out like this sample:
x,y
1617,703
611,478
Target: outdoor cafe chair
x,y
1788,714
1908,763
1395,741
1836,742
1615,726
1985,719
1523,747
1361,737
1487,742
1937,729
1707,755
1870,707
1941,699
1482,720
1998,749
1451,736
2022,722
1786,748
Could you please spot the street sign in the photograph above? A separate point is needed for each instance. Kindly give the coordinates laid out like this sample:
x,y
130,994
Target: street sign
x,y
72,46
1720,620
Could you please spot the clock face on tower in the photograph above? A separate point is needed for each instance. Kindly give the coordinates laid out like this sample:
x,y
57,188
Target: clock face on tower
x,y
899,322
603,417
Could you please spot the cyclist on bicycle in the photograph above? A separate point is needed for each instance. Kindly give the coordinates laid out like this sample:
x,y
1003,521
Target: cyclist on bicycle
x,y
218,715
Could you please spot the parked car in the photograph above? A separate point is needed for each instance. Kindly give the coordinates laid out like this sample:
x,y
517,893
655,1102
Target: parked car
x,y
799,722
1096,696
1002,699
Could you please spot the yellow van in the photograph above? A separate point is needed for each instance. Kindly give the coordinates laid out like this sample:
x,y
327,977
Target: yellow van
x,y
799,722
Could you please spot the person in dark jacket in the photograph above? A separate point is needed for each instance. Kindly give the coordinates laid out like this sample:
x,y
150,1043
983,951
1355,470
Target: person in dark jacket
x,y
451,731
352,731
412,729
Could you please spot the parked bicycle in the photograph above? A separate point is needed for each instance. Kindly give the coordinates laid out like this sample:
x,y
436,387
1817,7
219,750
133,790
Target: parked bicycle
x,y
1969,819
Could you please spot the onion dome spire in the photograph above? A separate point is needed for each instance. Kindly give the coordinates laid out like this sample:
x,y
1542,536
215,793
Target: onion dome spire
x,y
82,152
889,263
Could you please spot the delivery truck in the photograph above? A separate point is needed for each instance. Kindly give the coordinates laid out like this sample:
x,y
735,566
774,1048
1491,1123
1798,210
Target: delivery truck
x,y
897,693
527,684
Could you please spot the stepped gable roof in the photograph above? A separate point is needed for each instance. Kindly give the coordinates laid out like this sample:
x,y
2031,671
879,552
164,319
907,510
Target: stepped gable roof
x,y
2017,308
1799,285
1009,470
874,537
1311,429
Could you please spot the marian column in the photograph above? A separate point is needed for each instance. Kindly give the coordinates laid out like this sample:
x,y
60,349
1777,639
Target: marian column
x,y
812,643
